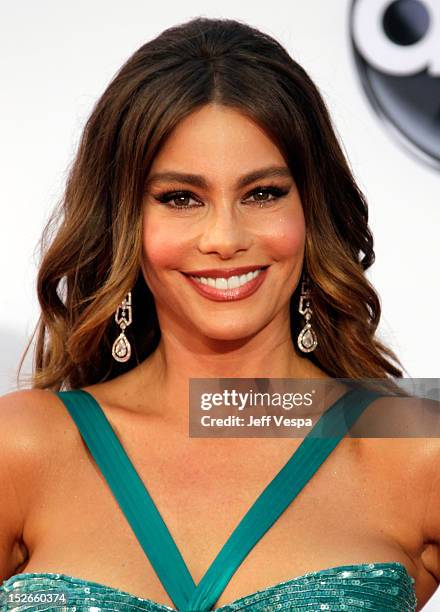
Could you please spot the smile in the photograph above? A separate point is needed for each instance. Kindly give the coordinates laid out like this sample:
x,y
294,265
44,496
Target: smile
x,y
228,289
228,283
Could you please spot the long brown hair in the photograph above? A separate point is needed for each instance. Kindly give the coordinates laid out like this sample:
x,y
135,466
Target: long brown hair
x,y
91,246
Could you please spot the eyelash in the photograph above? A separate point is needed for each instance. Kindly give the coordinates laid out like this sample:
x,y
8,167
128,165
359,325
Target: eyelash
x,y
168,196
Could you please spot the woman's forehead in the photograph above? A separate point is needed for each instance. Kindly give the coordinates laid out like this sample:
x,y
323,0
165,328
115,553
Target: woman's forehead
x,y
216,140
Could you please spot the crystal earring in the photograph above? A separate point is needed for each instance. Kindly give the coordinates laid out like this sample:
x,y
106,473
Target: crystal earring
x,y
121,350
307,340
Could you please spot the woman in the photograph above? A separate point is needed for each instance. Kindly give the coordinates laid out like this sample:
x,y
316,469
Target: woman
x,y
210,155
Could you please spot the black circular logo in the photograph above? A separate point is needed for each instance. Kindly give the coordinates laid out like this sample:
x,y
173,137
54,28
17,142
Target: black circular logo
x,y
396,46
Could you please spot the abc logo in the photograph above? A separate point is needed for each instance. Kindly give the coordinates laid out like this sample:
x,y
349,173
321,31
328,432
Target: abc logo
x,y
396,45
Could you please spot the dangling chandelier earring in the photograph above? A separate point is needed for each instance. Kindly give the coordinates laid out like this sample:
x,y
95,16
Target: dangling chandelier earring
x,y
307,340
121,350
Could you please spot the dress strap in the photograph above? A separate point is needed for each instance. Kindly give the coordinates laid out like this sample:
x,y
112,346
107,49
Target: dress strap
x,y
131,495
148,525
317,445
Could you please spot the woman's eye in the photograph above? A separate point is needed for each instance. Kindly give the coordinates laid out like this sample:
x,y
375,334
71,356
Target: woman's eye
x,y
262,194
180,200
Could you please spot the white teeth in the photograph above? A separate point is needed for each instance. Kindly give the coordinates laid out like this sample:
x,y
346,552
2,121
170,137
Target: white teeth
x,y
221,283
228,283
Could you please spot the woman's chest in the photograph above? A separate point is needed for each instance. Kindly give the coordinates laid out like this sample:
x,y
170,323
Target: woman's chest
x,y
350,512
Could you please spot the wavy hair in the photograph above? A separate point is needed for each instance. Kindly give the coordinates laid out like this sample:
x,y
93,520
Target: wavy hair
x,y
91,245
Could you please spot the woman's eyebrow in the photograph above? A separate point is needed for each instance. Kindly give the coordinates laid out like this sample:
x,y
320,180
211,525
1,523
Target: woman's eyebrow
x,y
199,181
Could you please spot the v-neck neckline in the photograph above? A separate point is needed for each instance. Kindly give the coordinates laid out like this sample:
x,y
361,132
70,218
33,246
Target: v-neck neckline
x,y
148,524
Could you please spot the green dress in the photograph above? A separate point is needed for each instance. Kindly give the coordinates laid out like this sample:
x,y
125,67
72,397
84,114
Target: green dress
x,y
377,586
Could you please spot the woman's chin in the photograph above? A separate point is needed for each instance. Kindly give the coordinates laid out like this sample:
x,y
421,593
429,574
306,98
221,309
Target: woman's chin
x,y
229,333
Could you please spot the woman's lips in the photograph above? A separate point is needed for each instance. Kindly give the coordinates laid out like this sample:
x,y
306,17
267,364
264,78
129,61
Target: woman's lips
x,y
228,295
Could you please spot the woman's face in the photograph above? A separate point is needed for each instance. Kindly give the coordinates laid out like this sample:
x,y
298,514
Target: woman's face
x,y
210,213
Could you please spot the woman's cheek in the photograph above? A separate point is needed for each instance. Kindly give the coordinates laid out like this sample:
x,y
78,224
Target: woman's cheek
x,y
163,249
286,236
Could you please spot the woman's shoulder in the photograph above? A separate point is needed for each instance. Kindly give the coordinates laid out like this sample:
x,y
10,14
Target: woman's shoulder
x,y
398,441
27,419
26,422
411,423
402,417
33,428
405,456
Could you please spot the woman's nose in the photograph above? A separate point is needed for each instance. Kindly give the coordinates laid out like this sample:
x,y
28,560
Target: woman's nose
x,y
224,232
